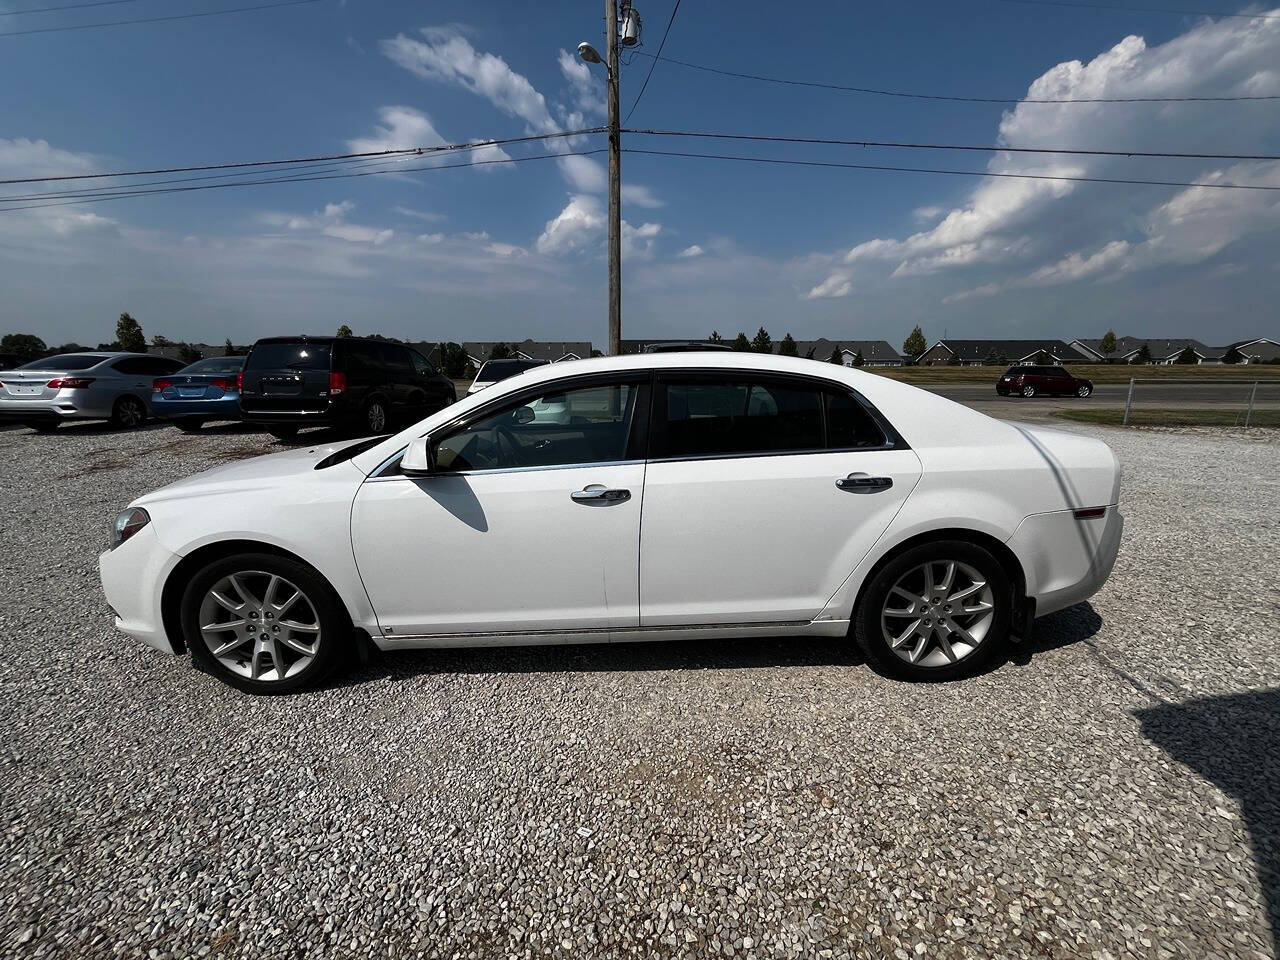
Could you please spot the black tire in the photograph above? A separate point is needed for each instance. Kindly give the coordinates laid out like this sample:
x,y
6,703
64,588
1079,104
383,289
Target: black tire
x,y
375,418
189,424
43,426
128,413
1028,391
336,633
283,431
875,646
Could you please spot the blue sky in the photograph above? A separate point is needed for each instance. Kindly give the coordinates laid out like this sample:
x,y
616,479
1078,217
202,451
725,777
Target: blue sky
x,y
509,251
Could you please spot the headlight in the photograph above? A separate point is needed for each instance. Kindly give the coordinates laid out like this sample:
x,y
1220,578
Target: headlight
x,y
127,524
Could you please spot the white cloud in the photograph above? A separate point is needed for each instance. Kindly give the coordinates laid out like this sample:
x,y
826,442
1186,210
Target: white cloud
x,y
1076,266
427,215
22,157
583,174
402,128
986,290
838,284
640,196
927,213
587,89
691,251
330,222
580,226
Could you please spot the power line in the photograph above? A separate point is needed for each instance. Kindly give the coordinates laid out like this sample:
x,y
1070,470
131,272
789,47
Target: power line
x,y
1070,151
178,16
69,6
937,96
1125,9
297,179
439,148
656,58
956,173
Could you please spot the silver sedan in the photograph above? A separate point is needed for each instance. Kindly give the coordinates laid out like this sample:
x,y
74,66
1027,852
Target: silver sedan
x,y
82,386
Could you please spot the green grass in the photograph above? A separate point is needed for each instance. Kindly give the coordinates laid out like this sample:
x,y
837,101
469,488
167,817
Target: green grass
x,y
1156,417
1097,372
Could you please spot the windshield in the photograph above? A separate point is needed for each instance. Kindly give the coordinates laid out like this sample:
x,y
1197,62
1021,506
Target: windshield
x,y
495,370
292,356
215,365
64,361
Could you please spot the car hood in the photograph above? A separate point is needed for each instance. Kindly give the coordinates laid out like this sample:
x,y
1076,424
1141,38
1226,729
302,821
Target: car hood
x,y
255,473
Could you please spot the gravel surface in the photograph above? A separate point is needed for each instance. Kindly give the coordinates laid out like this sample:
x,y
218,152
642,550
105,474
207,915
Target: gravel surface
x,y
1112,792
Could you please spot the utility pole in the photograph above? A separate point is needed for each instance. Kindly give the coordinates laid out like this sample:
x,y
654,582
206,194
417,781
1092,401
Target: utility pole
x,y
615,183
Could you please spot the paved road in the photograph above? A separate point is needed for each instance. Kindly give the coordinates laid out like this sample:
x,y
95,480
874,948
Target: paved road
x,y
1114,394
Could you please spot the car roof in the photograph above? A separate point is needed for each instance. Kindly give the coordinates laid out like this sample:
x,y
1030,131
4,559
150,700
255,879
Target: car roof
x,y
326,339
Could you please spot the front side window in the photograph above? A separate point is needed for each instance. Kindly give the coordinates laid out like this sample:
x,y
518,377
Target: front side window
x,y
706,417
561,427
421,366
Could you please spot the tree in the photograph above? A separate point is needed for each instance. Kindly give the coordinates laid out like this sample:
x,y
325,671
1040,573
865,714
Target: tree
x,y
787,348
187,353
915,345
501,351
25,346
836,357
715,337
159,340
1232,356
1187,356
71,347
1144,354
992,358
112,347
229,349
454,360
741,343
857,359
762,342
345,331
1043,358
1108,344
129,334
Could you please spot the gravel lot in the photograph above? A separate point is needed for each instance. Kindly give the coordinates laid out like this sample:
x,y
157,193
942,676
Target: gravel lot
x,y
1114,792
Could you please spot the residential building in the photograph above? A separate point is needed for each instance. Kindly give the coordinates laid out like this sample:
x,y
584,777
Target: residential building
x,y
972,353
875,353
1162,351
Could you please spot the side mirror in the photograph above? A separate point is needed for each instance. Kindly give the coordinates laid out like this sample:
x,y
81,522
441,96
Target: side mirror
x,y
522,415
417,460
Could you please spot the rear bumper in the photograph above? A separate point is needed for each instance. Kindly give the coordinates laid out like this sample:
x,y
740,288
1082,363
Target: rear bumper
x,y
224,408
133,575
53,410
1066,560
331,413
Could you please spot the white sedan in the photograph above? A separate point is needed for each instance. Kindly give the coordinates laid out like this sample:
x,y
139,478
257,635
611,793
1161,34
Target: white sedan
x,y
673,496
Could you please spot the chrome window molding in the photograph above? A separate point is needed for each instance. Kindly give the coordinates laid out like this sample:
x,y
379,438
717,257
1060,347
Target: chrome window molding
x,y
497,470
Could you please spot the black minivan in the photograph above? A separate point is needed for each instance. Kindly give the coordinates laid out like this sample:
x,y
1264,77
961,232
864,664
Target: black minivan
x,y
351,382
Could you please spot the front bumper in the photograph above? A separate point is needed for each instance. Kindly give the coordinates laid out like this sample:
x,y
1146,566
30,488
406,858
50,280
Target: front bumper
x,y
133,575
1066,560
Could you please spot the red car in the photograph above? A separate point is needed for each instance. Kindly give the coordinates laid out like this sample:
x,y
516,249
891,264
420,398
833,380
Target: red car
x,y
1030,381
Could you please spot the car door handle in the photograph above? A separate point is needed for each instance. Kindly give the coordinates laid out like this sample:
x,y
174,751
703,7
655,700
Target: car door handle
x,y
600,495
861,483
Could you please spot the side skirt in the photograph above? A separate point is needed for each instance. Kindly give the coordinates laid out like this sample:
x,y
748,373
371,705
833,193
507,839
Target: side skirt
x,y
725,631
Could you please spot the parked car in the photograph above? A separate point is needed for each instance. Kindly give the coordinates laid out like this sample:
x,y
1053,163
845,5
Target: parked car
x,y
684,346
782,497
208,389
493,371
348,382
1030,381
82,386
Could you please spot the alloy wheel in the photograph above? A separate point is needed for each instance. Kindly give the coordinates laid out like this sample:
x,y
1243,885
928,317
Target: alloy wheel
x,y
260,625
377,417
1084,390
937,613
1028,391
130,412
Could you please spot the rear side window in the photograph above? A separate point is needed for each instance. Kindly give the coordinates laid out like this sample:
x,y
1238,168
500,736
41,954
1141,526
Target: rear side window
x,y
721,417
147,366
290,356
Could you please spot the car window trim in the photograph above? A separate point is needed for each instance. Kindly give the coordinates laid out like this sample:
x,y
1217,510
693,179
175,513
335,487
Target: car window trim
x,y
657,425
639,378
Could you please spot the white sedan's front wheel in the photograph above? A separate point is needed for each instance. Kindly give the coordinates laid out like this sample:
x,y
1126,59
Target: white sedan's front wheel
x,y
937,611
263,623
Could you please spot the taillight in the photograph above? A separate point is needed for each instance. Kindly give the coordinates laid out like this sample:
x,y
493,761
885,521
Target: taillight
x,y
160,386
69,383
337,383
239,381
222,383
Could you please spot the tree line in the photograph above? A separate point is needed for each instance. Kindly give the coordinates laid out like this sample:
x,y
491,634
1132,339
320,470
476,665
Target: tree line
x,y
129,339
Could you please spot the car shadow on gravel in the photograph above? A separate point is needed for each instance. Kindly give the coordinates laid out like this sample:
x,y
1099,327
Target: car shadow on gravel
x,y
1069,626
1234,742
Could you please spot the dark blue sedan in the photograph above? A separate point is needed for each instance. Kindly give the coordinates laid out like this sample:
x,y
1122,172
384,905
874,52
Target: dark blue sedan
x,y
209,389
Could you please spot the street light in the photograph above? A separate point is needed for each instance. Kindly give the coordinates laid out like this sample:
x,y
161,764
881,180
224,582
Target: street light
x,y
588,53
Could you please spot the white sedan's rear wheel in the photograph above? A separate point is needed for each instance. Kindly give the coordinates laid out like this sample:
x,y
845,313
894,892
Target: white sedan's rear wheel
x,y
263,623
936,612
